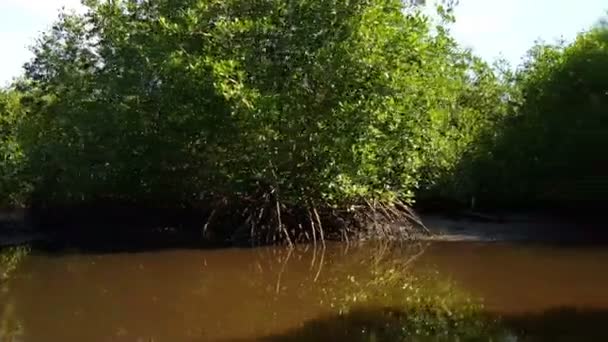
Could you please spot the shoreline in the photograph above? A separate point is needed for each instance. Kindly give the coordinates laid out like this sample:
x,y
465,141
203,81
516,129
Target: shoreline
x,y
445,227
514,227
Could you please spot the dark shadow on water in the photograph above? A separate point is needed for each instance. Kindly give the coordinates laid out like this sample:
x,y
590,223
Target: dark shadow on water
x,y
124,242
122,228
102,241
560,324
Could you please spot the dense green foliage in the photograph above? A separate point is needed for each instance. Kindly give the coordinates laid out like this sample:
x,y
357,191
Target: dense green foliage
x,y
556,144
327,101
311,103
549,148
225,98
12,183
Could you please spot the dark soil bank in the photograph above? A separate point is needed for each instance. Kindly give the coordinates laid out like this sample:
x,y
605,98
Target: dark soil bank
x,y
115,228
517,226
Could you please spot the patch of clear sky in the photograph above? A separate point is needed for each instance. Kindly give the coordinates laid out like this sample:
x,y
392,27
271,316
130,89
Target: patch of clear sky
x,y
492,28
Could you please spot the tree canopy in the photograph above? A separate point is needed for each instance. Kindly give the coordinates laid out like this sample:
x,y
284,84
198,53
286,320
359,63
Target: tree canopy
x,y
330,100
548,149
305,104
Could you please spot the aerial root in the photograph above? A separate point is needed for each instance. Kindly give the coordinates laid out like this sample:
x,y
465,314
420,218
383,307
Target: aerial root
x,y
206,226
409,213
281,226
312,228
319,225
265,219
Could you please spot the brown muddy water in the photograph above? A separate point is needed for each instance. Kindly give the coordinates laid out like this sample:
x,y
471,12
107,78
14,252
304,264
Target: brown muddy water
x,y
537,292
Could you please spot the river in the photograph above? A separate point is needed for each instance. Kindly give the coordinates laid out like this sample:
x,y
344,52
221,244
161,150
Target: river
x,y
540,291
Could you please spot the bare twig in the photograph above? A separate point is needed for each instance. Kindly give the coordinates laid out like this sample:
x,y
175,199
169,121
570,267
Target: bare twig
x,y
254,223
314,257
251,234
208,221
302,231
312,228
392,209
373,217
281,227
251,223
320,226
412,216
385,225
386,213
345,232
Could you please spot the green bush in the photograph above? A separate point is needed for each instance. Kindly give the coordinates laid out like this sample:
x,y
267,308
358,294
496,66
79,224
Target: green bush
x,y
329,103
550,149
12,183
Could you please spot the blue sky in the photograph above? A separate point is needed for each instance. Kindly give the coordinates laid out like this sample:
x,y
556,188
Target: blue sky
x,y
508,28
493,28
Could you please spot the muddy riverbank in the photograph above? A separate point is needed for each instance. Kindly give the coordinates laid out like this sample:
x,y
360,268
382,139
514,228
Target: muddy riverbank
x,y
516,227
16,229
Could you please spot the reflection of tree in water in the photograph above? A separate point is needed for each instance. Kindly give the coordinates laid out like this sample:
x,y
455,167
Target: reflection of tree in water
x,y
378,294
392,299
373,324
10,259
10,326
375,292
381,292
